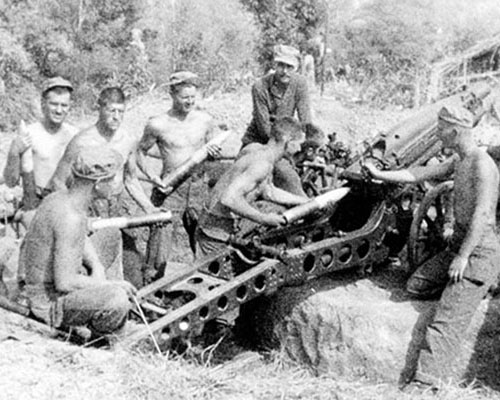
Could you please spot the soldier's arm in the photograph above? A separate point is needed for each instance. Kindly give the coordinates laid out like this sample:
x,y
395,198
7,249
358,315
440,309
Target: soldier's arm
x,y
235,196
303,102
12,170
18,159
280,196
214,151
134,187
413,174
211,128
261,111
148,140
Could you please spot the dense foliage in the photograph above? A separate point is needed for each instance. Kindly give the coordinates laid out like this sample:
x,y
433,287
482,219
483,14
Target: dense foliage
x,y
286,22
212,38
383,49
389,46
85,41
132,43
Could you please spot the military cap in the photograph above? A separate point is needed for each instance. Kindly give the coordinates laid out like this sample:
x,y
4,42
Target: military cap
x,y
56,81
183,77
287,55
97,163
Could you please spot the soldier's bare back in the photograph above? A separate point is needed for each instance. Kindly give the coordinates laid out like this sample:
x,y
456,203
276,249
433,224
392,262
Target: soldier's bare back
x,y
470,172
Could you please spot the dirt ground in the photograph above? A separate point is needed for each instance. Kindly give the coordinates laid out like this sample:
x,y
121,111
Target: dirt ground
x,y
34,365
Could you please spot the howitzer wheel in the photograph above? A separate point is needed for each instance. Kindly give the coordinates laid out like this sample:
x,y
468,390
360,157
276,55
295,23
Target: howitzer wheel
x,y
427,229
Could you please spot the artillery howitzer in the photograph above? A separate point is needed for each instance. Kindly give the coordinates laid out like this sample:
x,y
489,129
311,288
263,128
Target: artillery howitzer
x,y
355,225
359,225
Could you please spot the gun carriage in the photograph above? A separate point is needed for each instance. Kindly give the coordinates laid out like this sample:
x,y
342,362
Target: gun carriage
x,y
357,223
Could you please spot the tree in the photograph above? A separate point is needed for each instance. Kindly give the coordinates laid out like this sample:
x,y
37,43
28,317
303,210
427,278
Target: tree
x,y
84,40
16,73
285,22
212,38
390,54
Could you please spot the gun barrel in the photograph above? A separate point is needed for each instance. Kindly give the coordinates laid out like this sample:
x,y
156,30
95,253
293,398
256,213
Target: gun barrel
x,y
414,141
130,222
318,203
313,164
181,173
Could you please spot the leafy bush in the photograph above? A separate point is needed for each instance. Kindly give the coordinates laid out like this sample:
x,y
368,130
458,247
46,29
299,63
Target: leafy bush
x,y
385,48
291,22
85,41
389,46
212,38
16,74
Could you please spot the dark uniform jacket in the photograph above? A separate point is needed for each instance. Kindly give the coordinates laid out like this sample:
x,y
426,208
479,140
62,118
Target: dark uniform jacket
x,y
269,104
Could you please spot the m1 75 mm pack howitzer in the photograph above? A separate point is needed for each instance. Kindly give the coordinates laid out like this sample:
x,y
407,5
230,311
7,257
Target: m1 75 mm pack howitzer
x,y
358,224
355,225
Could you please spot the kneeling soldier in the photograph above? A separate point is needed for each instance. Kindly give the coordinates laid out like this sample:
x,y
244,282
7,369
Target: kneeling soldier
x,y
64,280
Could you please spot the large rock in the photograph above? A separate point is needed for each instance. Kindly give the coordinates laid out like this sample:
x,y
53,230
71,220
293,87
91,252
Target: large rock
x,y
365,328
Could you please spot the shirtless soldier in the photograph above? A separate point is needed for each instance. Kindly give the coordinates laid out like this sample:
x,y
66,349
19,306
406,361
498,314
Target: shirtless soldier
x,y
35,152
249,179
463,273
66,284
109,131
178,133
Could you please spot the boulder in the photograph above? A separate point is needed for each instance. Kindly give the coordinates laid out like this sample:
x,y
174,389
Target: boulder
x,y
348,327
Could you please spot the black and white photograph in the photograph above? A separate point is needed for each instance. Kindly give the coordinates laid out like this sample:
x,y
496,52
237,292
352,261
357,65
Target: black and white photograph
x,y
249,199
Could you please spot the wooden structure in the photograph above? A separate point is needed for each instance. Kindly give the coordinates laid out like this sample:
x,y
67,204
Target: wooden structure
x,y
481,61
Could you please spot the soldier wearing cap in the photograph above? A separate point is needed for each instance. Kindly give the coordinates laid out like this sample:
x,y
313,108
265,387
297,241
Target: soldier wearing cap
x,y
281,93
109,131
462,274
36,150
63,279
178,134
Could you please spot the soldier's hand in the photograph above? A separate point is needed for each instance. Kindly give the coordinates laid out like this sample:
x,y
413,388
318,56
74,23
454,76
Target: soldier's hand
x,y
332,169
369,169
157,210
457,268
214,151
128,287
274,219
151,209
447,231
157,181
24,141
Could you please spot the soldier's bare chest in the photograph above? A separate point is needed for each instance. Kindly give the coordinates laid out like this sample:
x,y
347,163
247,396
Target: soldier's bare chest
x,y
180,134
47,146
